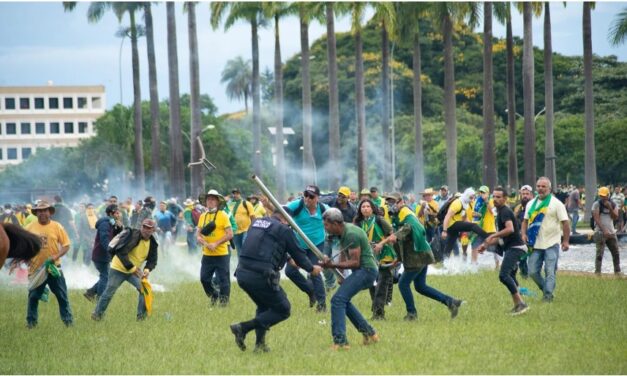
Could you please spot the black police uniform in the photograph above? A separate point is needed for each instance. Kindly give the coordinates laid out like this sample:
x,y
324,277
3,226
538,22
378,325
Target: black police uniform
x,y
263,254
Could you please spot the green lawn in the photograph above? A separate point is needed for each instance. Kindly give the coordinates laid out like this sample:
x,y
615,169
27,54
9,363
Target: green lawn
x,y
583,332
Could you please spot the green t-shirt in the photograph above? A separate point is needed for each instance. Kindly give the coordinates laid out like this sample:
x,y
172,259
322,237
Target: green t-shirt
x,y
354,237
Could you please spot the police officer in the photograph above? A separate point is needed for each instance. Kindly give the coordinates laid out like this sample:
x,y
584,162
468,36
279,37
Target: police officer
x,y
263,255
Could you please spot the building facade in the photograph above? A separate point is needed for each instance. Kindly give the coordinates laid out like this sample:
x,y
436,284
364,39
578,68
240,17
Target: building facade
x,y
35,117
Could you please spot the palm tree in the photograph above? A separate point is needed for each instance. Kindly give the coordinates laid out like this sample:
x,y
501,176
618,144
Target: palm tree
x,y
618,29
408,35
177,174
237,75
95,12
157,181
357,13
276,10
489,138
334,106
590,167
197,181
385,17
252,13
549,144
503,13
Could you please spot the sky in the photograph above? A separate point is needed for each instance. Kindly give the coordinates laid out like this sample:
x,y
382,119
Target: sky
x,y
40,43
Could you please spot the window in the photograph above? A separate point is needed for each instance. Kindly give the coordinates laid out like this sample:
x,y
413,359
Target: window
x,y
25,128
24,103
9,103
81,102
1,154
54,128
68,128
11,128
53,103
40,128
39,103
68,102
82,127
96,102
26,152
12,154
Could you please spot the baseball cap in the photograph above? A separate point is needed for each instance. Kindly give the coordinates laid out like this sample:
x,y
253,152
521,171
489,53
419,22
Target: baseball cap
x,y
394,196
235,190
526,187
484,189
374,189
345,191
314,190
604,192
444,187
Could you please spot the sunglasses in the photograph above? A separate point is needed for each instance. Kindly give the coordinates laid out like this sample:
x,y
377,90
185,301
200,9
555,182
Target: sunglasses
x,y
148,227
309,195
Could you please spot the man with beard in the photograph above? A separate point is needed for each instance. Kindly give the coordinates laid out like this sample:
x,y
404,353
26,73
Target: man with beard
x,y
526,194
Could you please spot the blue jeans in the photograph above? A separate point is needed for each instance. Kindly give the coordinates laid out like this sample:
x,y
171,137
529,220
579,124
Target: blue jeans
x,y
419,278
115,280
59,289
238,240
549,257
314,284
341,306
103,277
191,242
575,217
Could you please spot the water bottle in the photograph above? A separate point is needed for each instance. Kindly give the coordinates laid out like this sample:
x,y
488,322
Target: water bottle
x,y
526,292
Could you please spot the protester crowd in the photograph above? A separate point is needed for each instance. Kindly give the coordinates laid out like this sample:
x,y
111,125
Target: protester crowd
x,y
369,240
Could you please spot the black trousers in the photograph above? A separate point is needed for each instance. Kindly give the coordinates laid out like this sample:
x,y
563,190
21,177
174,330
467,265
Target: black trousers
x,y
509,267
458,227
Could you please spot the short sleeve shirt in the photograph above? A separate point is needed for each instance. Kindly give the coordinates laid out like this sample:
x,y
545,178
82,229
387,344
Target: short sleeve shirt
x,y
504,215
354,237
311,224
53,237
458,210
550,230
606,219
222,224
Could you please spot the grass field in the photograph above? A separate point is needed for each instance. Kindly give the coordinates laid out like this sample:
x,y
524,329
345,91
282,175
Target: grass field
x,y
583,332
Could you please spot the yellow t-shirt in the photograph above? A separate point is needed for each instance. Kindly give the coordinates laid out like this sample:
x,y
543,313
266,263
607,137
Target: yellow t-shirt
x,y
242,216
260,211
458,209
53,237
489,223
136,256
431,209
222,224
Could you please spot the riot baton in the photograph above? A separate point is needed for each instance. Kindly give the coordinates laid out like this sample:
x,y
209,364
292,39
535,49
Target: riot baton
x,y
290,220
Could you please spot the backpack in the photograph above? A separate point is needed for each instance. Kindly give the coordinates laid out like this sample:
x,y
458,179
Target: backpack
x,y
119,241
301,205
444,209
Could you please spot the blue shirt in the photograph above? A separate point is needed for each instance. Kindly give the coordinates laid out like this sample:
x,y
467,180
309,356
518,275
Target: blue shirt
x,y
165,220
311,225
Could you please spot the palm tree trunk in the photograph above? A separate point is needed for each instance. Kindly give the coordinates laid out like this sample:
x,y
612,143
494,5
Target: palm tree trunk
x,y
512,170
177,175
137,107
157,182
590,167
309,175
449,105
419,175
489,142
278,103
528,95
362,173
549,145
334,106
256,101
197,181
388,174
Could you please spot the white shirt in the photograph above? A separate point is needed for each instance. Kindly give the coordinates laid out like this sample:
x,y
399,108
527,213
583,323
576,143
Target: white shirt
x,y
551,229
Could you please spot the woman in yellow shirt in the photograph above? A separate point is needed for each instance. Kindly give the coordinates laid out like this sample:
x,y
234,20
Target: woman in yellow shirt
x,y
214,232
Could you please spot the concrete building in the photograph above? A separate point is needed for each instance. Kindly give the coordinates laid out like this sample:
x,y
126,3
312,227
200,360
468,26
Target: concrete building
x,y
34,117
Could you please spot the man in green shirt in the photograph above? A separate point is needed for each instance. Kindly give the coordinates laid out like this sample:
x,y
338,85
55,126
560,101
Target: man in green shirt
x,y
356,255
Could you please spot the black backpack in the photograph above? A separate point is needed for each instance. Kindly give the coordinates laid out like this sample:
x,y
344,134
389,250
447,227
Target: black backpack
x,y
612,204
301,205
444,209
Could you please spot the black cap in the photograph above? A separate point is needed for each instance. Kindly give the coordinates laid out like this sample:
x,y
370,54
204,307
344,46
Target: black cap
x,y
313,189
374,189
149,199
235,190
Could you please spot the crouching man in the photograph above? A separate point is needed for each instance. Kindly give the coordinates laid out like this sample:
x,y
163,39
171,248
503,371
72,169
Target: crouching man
x,y
262,257
126,266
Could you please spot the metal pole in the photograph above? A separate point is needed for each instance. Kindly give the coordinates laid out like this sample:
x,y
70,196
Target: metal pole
x,y
393,136
279,207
